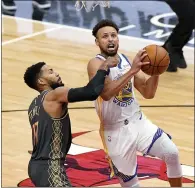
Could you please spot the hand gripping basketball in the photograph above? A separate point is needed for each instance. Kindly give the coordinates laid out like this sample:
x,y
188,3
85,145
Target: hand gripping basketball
x,y
138,61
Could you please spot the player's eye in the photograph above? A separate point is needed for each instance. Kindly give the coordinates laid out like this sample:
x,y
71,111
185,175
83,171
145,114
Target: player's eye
x,y
113,35
105,36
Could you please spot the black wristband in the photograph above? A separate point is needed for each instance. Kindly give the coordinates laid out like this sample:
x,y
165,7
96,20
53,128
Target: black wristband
x,y
106,72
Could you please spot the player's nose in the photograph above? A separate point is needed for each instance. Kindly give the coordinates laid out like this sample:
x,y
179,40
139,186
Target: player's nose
x,y
110,38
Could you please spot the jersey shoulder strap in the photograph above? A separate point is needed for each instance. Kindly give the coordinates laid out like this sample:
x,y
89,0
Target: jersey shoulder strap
x,y
99,56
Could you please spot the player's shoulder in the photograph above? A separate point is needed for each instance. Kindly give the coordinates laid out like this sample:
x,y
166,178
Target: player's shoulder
x,y
97,58
94,63
32,104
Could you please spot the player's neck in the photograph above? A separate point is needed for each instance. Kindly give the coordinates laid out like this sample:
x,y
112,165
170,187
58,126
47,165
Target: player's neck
x,y
45,89
104,55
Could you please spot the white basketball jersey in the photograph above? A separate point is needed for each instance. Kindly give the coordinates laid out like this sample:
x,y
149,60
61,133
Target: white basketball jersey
x,y
124,104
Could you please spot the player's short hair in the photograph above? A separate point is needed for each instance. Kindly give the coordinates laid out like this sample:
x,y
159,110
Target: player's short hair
x,y
32,74
104,23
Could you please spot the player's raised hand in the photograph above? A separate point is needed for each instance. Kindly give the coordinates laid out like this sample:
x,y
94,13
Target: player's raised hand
x,y
137,61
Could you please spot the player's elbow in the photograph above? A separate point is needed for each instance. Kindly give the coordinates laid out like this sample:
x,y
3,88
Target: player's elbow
x,y
106,97
149,95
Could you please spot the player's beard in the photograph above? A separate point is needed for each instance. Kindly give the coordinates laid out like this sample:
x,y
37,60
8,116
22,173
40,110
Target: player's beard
x,y
56,85
111,53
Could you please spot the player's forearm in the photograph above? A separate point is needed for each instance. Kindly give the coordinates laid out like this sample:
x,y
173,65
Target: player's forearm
x,y
91,91
151,87
113,88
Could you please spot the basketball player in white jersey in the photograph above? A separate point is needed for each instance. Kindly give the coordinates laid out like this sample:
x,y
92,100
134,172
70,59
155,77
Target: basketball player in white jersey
x,y
124,128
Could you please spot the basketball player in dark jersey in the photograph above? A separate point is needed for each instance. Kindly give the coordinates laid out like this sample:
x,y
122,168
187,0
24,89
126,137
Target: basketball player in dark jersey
x,y
50,122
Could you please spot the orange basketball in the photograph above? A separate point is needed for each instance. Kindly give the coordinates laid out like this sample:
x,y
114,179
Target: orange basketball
x,y
158,58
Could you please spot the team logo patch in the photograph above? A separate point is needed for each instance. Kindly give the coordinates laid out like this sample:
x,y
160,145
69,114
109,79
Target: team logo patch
x,y
125,96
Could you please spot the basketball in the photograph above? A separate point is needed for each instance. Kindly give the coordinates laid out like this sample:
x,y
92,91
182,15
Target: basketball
x,y
158,58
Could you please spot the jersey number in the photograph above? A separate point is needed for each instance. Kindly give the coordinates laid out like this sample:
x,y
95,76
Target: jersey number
x,y
35,134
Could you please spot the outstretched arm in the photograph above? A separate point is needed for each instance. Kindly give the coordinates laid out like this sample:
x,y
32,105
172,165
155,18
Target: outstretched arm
x,y
89,92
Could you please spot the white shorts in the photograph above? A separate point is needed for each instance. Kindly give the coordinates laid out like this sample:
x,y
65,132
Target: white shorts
x,y
124,139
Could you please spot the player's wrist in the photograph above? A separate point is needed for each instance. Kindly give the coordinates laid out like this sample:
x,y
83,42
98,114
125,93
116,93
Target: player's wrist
x,y
132,72
105,67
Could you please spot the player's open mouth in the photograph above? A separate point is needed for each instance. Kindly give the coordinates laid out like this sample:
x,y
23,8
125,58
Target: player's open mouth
x,y
111,47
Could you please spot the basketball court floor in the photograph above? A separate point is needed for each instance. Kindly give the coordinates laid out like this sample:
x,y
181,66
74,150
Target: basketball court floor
x,y
68,49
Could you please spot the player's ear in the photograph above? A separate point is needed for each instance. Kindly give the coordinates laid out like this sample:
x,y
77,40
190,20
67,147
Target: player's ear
x,y
97,42
40,81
